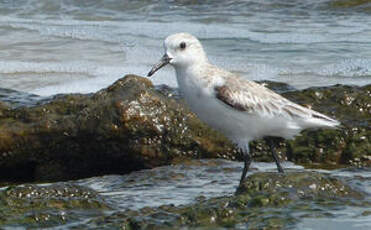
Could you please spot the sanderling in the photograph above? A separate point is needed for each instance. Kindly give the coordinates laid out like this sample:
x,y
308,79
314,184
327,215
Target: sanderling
x,y
242,110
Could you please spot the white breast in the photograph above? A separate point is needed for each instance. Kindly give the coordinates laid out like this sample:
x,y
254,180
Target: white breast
x,y
239,126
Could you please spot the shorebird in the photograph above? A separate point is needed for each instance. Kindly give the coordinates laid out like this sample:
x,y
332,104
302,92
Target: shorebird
x,y
242,110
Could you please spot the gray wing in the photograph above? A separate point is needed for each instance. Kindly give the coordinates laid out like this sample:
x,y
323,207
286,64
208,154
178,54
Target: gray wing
x,y
253,98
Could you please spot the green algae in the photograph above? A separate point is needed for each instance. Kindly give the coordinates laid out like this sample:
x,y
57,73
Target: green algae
x,y
35,206
348,145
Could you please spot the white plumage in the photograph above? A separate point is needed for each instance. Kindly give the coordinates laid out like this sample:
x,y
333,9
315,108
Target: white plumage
x,y
242,110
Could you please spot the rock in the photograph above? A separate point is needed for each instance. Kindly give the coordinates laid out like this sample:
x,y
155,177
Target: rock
x,y
265,201
362,5
348,145
131,125
296,185
128,126
35,206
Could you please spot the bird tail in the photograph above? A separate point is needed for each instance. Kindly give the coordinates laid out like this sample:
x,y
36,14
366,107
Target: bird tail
x,y
322,121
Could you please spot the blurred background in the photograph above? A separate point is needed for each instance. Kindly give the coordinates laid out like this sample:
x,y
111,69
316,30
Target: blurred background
x,y
49,47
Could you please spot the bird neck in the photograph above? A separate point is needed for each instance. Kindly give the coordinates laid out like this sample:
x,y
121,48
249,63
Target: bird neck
x,y
192,67
187,72
192,75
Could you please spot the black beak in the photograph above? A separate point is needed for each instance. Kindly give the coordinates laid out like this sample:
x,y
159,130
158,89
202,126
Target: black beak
x,y
164,61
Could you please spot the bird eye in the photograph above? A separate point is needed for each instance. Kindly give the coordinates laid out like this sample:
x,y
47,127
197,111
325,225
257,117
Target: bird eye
x,y
182,45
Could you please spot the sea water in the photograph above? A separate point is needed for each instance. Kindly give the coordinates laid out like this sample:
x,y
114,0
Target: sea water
x,y
49,47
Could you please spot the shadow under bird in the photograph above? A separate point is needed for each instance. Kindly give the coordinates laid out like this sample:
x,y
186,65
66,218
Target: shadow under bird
x,y
242,110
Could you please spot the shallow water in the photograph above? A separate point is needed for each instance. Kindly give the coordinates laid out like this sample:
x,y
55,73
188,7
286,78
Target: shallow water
x,y
179,184
197,180
50,47
187,183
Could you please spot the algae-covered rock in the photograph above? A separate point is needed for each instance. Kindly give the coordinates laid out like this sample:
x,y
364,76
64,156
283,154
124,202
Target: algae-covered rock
x,y
324,148
348,145
128,126
35,206
264,201
296,185
131,125
344,4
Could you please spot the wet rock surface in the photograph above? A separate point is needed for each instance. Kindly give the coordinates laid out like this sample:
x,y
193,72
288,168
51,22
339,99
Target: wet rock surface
x,y
131,125
35,206
348,145
126,127
265,201
296,185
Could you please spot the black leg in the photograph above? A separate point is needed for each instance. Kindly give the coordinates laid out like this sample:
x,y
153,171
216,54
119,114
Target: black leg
x,y
247,162
271,145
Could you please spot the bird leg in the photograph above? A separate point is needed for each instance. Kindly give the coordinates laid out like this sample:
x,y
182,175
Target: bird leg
x,y
247,162
271,145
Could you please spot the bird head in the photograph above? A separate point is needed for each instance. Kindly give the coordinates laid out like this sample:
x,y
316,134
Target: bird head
x,y
181,50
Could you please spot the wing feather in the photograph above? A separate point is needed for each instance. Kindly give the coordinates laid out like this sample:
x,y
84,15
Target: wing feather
x,y
255,99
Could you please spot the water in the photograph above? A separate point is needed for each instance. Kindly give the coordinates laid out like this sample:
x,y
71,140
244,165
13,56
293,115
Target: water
x,y
196,180
49,47
178,185
185,183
